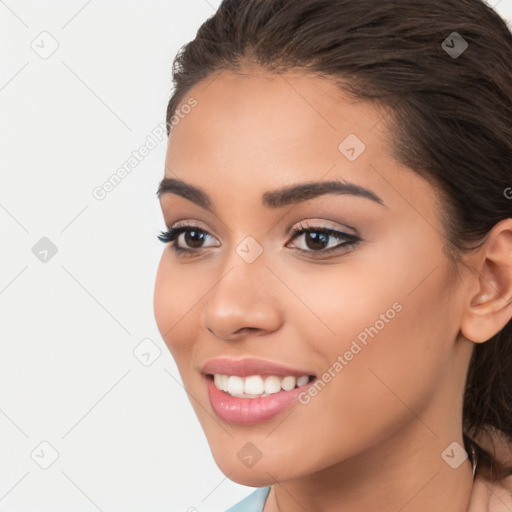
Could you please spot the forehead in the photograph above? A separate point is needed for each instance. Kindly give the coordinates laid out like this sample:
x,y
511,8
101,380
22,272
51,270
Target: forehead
x,y
274,113
263,120
260,131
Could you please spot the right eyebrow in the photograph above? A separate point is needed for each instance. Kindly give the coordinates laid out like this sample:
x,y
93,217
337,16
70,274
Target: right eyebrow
x,y
304,191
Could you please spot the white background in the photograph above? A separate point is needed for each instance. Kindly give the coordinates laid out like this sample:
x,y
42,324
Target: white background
x,y
125,433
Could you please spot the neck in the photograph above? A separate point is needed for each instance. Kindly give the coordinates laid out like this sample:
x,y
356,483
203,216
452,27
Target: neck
x,y
406,474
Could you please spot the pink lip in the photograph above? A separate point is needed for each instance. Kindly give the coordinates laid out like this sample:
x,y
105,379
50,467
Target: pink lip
x,y
250,366
248,411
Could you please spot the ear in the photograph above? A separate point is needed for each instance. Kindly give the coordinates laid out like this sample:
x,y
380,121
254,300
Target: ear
x,y
489,306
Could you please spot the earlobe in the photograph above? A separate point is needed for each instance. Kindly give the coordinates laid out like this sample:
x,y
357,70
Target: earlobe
x,y
490,308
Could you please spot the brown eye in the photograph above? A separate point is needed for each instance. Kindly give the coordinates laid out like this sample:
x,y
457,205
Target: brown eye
x,y
317,239
194,238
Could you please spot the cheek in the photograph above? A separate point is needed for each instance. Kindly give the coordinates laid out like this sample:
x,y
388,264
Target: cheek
x,y
394,355
178,301
390,323
162,303
332,305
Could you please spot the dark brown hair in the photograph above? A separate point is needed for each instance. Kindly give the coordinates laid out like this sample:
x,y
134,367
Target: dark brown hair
x,y
450,116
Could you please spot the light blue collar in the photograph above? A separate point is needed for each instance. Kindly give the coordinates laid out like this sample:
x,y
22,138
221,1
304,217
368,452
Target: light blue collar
x,y
252,503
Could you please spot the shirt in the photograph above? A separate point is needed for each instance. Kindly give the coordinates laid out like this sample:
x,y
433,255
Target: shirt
x,y
252,503
485,497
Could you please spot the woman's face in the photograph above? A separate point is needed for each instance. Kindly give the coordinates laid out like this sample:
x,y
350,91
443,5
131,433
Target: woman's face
x,y
375,321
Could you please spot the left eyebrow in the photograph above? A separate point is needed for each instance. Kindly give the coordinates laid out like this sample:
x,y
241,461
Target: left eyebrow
x,y
272,199
186,190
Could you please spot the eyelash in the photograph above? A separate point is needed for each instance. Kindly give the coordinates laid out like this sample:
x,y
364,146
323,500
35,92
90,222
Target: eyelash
x,y
350,240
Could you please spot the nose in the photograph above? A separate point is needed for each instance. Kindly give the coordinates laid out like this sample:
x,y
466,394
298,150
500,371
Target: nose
x,y
243,301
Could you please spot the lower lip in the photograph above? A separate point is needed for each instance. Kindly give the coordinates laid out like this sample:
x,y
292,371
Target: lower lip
x,y
248,411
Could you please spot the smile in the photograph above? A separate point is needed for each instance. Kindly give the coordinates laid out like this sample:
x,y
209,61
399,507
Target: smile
x,y
257,386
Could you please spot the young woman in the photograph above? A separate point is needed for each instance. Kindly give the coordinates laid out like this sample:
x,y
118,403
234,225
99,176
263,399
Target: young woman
x,y
337,286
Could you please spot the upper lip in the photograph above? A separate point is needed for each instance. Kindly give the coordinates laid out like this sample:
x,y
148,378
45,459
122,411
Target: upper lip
x,y
249,366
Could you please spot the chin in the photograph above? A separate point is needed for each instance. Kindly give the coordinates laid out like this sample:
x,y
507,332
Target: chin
x,y
251,477
262,472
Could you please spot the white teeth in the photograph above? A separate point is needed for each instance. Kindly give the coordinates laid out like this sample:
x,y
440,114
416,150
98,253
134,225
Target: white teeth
x,y
288,383
302,380
219,380
235,385
272,384
255,386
